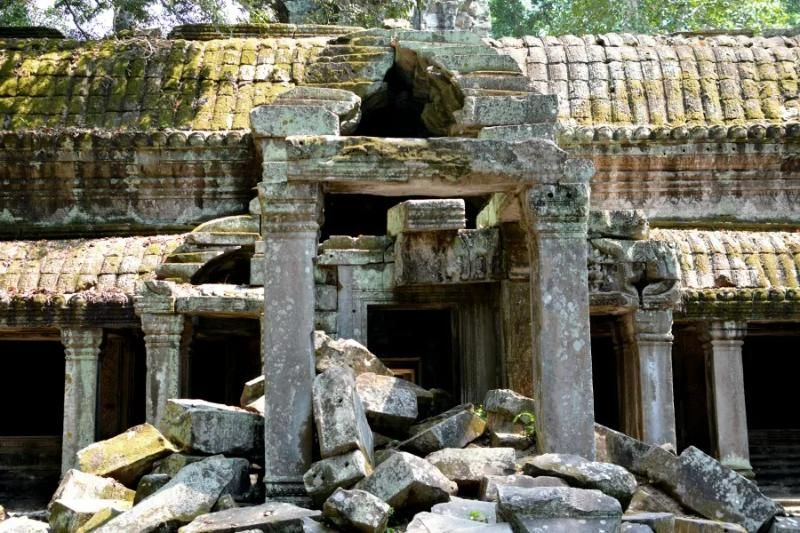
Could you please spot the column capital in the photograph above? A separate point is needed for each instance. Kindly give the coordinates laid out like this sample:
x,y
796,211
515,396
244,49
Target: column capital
x,y
154,296
81,344
290,207
557,209
653,325
732,331
155,325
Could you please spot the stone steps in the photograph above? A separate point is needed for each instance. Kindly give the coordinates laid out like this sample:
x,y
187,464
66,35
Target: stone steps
x,y
775,457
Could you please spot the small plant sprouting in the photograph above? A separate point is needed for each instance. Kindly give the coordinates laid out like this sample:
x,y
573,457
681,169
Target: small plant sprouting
x,y
480,411
477,516
528,422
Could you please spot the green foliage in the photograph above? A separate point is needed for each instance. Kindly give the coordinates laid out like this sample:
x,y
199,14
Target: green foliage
x,y
15,13
528,422
480,411
477,516
366,13
555,17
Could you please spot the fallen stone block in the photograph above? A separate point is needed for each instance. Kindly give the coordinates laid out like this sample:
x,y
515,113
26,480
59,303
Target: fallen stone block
x,y
251,391
345,104
339,415
635,528
477,511
150,484
67,515
452,429
640,458
270,516
192,492
77,485
126,457
327,475
23,524
407,482
356,510
172,464
426,215
489,484
224,503
652,500
717,492
518,441
785,524
310,525
468,466
685,524
605,477
257,405
558,509
390,403
502,407
210,428
98,519
428,522
657,522
346,352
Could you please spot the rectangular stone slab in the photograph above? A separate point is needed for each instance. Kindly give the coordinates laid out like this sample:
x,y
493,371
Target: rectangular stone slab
x,y
271,516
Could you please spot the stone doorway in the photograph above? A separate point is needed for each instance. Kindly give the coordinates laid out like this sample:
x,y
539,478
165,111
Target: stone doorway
x,y
224,353
418,344
121,383
606,368
771,363
32,418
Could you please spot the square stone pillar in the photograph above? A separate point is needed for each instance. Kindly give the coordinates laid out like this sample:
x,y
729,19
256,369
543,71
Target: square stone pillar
x,y
81,349
654,399
556,222
162,338
290,226
726,380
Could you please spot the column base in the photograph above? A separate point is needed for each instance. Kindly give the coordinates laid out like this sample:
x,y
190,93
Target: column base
x,y
288,492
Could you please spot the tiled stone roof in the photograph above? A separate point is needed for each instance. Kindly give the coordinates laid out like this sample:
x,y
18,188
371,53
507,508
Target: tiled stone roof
x,y
743,274
655,81
110,265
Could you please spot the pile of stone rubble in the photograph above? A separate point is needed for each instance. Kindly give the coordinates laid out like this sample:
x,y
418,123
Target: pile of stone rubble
x,y
393,457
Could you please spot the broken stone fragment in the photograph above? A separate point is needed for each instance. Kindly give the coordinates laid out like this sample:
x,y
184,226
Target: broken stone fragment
x,y
172,464
635,528
346,352
98,519
518,441
785,524
270,516
23,524
485,512
619,224
339,415
426,215
77,485
634,455
468,466
649,499
127,456
489,484
211,428
606,477
150,484
390,403
192,492
452,429
407,482
657,522
251,391
345,104
67,515
427,522
356,510
325,476
558,509
502,407
685,524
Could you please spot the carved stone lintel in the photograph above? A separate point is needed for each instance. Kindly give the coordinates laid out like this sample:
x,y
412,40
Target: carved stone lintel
x,y
287,491
81,350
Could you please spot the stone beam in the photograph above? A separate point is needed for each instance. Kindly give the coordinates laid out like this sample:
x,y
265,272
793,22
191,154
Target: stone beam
x,y
556,222
433,167
81,349
290,227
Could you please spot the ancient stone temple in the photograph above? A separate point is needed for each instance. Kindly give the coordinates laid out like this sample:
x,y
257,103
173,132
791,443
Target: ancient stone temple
x,y
606,223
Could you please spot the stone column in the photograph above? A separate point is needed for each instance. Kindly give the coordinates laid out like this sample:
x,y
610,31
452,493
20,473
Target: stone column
x,y
81,349
290,226
654,393
556,222
162,338
726,379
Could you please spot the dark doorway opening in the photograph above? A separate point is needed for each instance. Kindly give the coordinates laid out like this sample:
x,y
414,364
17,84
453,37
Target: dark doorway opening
x,y
364,214
692,422
771,364
606,372
225,353
418,344
121,383
32,395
